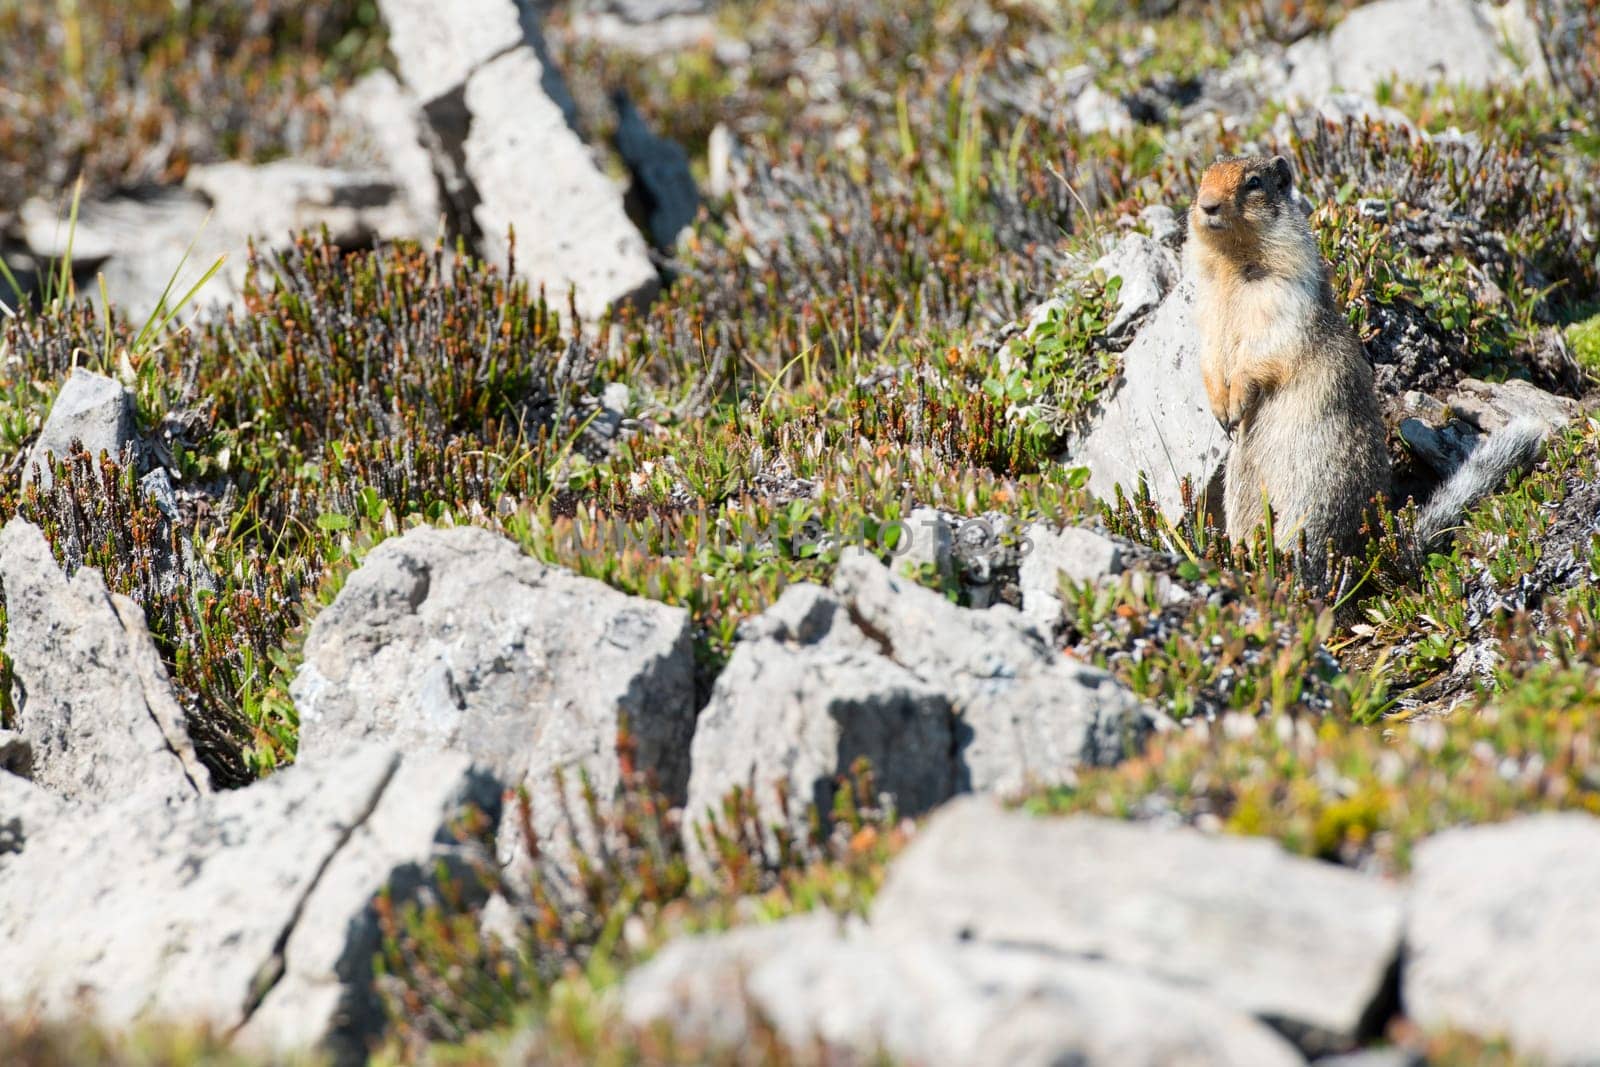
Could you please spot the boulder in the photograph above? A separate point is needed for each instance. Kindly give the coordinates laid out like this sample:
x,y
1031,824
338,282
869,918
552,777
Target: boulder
x,y
940,698
255,903
90,408
454,639
1155,422
1491,406
1468,42
278,199
1303,945
502,130
1082,555
1027,716
94,702
1502,935
849,995
323,995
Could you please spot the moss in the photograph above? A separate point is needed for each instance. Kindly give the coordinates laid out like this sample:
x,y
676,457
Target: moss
x,y
1584,339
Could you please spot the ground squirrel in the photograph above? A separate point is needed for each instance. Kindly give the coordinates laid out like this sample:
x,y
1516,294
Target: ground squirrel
x,y
1287,378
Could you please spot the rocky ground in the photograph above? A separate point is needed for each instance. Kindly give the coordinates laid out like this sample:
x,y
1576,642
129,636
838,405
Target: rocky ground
x,y
674,531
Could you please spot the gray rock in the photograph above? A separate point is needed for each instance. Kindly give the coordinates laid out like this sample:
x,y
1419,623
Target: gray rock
x,y
90,408
389,120
158,246
252,902
1465,43
501,127
275,200
438,46
940,698
1163,224
805,694
1443,449
94,702
656,35
1303,945
1148,271
854,995
929,542
644,12
1082,555
1376,1057
1491,406
1502,936
661,175
137,244
1026,715
1097,111
727,171
454,639
1343,107
1156,421
26,811
531,173
16,754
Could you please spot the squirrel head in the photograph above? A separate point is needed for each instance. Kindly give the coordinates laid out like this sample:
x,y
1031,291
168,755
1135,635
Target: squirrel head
x,y
1240,200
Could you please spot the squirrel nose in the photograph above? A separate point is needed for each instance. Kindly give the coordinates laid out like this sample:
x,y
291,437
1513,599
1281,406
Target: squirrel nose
x,y
1210,205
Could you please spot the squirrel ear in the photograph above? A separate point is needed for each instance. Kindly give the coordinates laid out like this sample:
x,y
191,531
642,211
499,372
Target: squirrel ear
x,y
1282,171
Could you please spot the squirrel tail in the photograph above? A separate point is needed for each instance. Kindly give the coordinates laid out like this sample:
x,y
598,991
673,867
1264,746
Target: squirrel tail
x,y
1512,448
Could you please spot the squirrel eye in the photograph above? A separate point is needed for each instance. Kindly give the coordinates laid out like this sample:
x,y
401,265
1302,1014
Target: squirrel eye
x,y
1254,182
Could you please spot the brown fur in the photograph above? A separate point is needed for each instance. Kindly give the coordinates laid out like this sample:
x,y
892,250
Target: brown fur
x,y
1283,371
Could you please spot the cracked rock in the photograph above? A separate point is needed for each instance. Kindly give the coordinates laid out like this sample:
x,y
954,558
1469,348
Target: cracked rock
x,y
454,639
1303,945
94,702
801,702
941,698
852,996
250,907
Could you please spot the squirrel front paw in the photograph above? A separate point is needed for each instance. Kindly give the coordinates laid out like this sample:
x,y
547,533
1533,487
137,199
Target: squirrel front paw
x,y
1242,398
